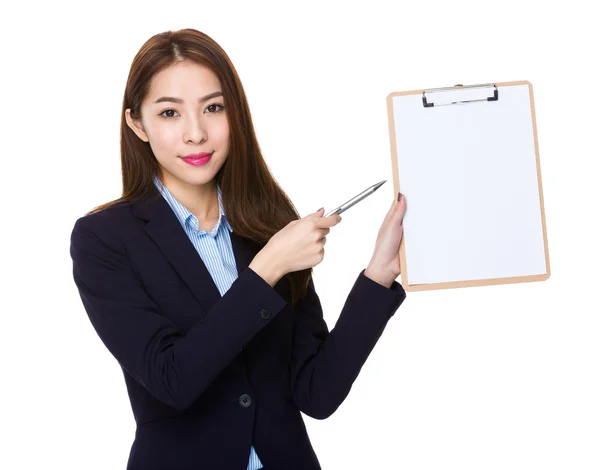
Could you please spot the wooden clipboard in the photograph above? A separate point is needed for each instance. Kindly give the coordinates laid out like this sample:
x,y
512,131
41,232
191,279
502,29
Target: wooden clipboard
x,y
470,133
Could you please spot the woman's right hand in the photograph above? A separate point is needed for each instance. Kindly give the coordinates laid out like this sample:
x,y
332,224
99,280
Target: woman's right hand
x,y
299,245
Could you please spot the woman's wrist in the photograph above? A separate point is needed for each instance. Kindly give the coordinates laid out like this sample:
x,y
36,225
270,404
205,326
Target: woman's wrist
x,y
380,275
266,268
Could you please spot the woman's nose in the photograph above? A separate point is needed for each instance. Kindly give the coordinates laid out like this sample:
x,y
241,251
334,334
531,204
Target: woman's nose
x,y
195,131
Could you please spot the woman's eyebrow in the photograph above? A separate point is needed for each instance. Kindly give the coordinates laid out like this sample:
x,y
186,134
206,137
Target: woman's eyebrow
x,y
180,101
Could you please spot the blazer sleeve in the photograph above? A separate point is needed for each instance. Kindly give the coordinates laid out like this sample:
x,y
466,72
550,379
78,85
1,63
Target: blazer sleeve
x,y
174,368
325,364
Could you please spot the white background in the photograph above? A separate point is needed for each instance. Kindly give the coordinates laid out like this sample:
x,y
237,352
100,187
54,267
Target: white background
x,y
480,378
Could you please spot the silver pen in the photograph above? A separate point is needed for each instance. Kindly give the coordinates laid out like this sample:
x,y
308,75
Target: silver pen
x,y
355,199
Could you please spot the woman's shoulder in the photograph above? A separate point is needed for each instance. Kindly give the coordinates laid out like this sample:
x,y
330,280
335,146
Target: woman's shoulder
x,y
111,222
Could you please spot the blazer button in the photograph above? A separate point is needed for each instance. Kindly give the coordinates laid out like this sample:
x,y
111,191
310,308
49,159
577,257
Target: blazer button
x,y
245,400
265,314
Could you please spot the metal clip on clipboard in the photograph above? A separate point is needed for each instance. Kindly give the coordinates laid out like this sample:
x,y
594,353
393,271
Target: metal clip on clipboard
x,y
449,95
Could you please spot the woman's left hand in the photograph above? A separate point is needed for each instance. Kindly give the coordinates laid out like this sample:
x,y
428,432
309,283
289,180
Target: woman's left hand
x,y
384,266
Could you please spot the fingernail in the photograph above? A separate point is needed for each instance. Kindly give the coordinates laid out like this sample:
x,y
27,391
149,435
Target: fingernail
x,y
399,196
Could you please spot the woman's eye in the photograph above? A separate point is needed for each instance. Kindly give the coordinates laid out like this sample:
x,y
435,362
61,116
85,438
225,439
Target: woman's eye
x,y
166,111
215,104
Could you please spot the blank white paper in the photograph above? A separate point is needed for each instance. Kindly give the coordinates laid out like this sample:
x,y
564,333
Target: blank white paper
x,y
469,175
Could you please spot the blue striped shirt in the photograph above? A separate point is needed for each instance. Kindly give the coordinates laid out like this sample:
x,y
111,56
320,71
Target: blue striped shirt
x,y
215,249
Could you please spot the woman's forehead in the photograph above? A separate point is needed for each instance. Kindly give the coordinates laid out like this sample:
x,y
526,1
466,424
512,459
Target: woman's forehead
x,y
185,81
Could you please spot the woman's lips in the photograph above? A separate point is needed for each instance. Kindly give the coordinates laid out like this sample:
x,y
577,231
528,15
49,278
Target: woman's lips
x,y
197,159
197,156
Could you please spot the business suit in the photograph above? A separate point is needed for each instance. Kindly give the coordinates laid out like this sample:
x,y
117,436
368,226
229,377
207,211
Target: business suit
x,y
207,375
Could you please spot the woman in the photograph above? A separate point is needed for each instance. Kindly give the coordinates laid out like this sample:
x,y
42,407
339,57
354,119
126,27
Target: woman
x,y
198,279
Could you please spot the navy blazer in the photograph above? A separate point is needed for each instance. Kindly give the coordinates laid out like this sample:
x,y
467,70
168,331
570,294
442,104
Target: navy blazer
x,y
209,375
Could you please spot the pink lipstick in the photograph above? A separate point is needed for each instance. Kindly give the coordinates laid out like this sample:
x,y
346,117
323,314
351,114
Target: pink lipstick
x,y
197,159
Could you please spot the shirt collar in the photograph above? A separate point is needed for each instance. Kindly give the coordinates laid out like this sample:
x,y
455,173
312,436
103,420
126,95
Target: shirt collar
x,y
182,213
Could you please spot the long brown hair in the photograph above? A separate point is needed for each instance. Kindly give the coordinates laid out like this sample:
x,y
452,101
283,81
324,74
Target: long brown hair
x,y
255,205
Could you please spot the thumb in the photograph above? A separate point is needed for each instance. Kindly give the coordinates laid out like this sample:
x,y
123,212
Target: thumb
x,y
400,205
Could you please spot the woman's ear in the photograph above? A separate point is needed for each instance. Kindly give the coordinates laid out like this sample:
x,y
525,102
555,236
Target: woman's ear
x,y
135,125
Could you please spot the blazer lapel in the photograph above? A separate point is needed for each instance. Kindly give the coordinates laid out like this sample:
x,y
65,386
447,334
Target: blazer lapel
x,y
166,231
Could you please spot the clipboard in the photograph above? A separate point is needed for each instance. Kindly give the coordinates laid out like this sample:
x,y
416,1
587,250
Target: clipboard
x,y
467,160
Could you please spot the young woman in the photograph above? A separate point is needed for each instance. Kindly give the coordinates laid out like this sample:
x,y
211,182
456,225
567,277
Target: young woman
x,y
198,279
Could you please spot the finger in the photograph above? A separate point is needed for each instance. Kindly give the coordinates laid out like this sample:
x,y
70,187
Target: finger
x,y
329,221
322,235
316,215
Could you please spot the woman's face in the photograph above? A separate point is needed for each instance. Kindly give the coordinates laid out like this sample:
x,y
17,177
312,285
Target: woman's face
x,y
187,119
